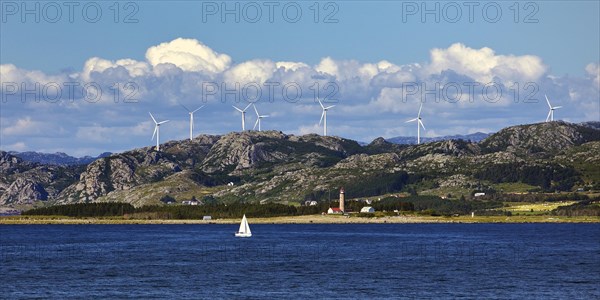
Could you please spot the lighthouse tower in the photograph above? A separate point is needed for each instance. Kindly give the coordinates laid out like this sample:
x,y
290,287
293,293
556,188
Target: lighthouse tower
x,y
342,198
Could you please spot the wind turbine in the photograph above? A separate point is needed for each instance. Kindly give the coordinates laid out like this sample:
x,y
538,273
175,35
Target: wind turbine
x,y
324,116
243,111
551,112
258,118
419,122
191,112
157,130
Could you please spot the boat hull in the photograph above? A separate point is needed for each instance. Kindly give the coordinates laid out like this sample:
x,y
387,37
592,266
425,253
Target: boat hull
x,y
243,234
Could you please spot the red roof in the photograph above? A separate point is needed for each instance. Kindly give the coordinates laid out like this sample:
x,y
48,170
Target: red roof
x,y
336,209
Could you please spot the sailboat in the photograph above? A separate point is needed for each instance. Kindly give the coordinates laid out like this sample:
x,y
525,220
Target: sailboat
x,y
244,230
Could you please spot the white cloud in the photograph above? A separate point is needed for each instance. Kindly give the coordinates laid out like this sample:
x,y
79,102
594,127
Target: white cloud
x,y
329,66
189,55
13,74
370,96
95,64
291,65
483,64
24,127
255,71
593,69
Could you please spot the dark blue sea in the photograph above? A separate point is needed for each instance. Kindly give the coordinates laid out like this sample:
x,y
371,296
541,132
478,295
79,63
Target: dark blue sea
x,y
415,261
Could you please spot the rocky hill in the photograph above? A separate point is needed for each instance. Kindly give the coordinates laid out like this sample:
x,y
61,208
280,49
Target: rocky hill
x,y
412,140
58,158
271,166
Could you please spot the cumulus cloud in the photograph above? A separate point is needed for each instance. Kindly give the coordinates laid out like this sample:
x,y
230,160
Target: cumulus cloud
x,y
189,55
290,65
372,99
95,64
483,64
255,71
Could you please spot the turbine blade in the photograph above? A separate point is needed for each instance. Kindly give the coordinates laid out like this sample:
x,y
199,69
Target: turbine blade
x,y
151,116
185,107
420,107
322,116
197,109
548,101
420,122
256,124
163,122
321,103
265,116
248,106
237,109
155,129
256,110
411,120
548,117
328,107
557,107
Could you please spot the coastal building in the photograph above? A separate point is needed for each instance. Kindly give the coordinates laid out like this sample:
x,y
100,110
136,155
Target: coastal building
x,y
191,202
342,199
367,209
338,210
310,203
334,211
207,218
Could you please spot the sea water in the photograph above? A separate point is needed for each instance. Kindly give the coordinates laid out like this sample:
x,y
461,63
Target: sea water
x,y
484,261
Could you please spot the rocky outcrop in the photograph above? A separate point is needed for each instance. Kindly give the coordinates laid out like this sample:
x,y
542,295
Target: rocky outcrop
x,y
549,137
23,191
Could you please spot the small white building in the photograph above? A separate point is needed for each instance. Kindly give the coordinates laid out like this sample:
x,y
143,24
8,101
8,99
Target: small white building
x,y
367,209
479,194
334,210
207,218
190,202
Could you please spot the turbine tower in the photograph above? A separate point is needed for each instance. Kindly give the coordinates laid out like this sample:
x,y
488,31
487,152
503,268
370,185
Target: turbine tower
x,y
243,111
324,116
551,112
258,118
419,122
191,112
157,130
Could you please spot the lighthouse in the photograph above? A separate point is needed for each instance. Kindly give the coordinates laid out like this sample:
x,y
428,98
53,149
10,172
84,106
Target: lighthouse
x,y
342,198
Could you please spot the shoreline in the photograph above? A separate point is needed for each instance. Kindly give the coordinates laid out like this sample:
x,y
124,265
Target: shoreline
x,y
308,219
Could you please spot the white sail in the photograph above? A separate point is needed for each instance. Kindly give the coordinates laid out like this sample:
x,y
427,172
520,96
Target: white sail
x,y
244,230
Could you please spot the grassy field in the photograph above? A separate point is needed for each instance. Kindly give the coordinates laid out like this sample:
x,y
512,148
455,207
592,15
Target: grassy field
x,y
527,208
308,219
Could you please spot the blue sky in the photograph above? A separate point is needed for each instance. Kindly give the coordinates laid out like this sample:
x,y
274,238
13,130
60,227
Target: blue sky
x,y
373,53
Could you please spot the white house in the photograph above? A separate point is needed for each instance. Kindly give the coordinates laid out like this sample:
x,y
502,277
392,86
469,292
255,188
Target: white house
x,y
479,194
191,202
367,209
334,210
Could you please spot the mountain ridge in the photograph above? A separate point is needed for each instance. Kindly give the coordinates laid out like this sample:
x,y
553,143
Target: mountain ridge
x,y
271,166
